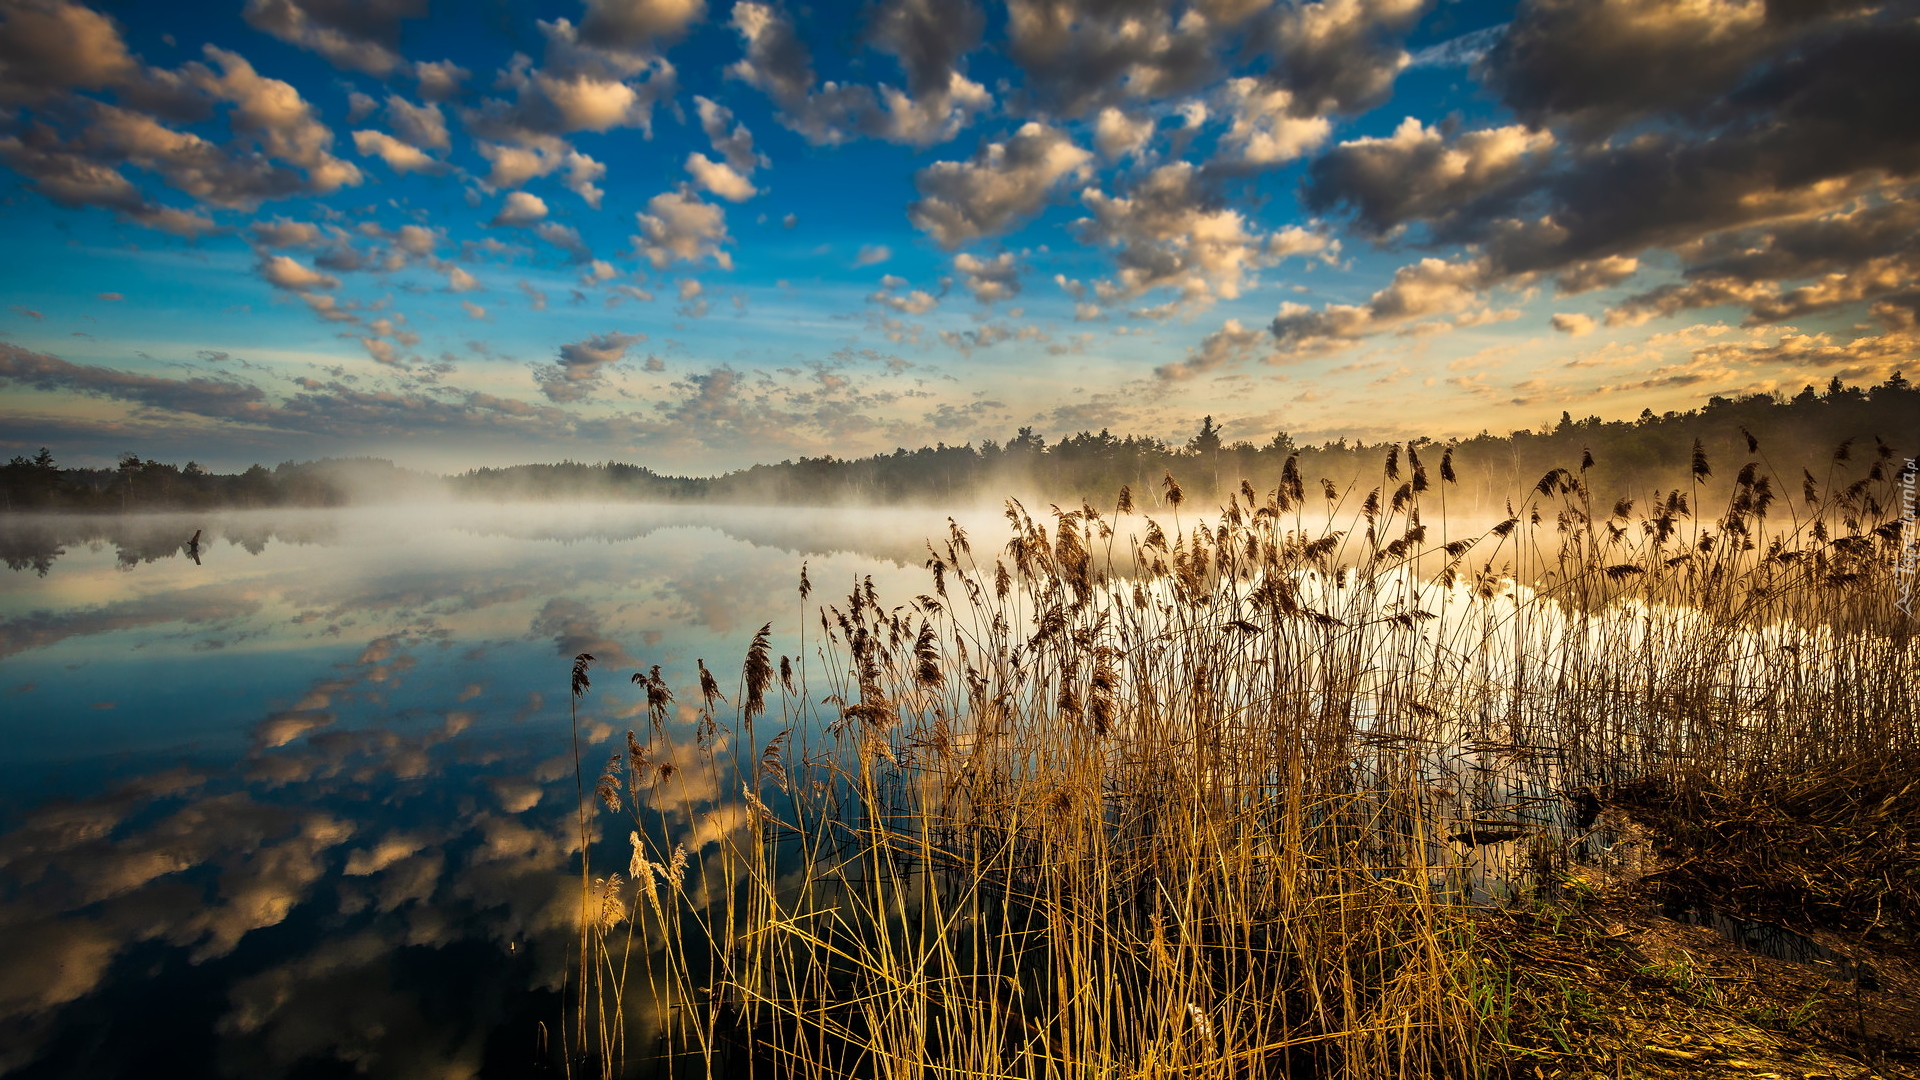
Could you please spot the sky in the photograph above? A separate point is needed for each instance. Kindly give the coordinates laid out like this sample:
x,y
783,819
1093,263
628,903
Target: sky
x,y
699,234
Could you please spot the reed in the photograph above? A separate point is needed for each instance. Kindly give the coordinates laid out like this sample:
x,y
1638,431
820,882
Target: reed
x,y
1227,796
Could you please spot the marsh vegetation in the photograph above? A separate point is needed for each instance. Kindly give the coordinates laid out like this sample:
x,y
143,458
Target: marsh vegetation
x,y
1319,784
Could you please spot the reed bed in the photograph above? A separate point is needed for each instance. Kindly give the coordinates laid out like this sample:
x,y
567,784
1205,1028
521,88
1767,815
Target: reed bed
x,y
1217,796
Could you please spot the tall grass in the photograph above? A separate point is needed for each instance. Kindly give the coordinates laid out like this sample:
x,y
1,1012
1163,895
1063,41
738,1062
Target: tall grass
x,y
1217,796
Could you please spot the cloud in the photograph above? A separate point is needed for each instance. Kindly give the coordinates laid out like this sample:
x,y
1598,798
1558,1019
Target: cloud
x,y
720,179
1167,232
459,281
363,37
283,272
940,100
1417,174
916,302
986,337
72,180
1265,128
424,126
989,280
1575,325
282,233
1117,134
520,210
1467,49
1225,346
1082,55
871,254
1341,55
735,145
1596,274
638,25
1596,64
578,86
274,114
566,238
400,157
51,47
111,296
514,165
678,226
576,374
1428,287
440,80
206,397
1004,184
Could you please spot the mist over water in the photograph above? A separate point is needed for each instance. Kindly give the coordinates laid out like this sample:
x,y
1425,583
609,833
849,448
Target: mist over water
x,y
309,798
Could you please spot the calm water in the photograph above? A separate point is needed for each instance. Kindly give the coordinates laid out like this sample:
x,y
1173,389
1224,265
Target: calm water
x,y
304,807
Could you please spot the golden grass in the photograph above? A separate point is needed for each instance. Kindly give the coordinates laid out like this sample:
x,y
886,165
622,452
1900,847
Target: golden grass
x,y
1215,798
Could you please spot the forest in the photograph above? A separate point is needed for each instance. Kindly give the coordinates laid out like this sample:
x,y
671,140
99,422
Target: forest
x,y
1630,459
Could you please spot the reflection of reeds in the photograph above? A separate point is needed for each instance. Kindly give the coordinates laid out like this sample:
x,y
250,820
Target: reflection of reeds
x,y
1220,801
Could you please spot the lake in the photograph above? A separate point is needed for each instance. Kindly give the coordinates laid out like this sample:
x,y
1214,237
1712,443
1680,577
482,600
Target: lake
x,y
305,805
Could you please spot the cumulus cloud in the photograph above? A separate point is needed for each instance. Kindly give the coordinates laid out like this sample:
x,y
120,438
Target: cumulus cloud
x,y
577,371
363,37
1418,174
1575,325
872,255
440,80
989,280
678,226
1341,55
284,272
1595,274
940,99
989,335
719,178
72,179
1595,64
1117,134
274,114
51,47
400,157
1225,346
1266,129
1003,185
1167,232
637,25
1428,287
513,165
914,302
520,209
424,126
578,86
733,142
1081,55
566,238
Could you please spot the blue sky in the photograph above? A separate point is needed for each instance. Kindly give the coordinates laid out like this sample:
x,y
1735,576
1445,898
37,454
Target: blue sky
x,y
699,235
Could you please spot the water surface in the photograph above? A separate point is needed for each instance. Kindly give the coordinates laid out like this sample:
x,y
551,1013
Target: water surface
x,y
299,801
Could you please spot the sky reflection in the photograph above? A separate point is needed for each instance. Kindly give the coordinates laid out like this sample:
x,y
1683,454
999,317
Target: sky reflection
x,y
310,799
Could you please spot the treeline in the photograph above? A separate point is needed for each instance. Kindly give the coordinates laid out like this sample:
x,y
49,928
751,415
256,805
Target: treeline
x,y
1631,458
40,484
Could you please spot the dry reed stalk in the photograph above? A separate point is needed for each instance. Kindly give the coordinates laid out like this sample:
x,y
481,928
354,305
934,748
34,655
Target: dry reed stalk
x,y
1226,802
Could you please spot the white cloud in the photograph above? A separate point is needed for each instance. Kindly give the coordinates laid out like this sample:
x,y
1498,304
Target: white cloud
x,y
283,272
1005,183
677,225
1576,325
520,209
720,179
